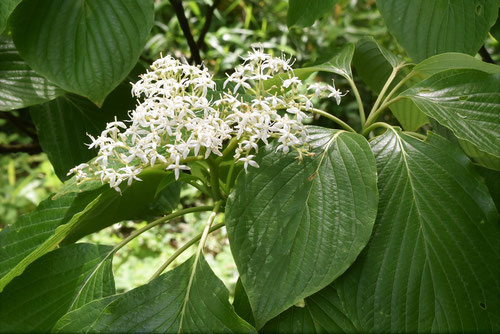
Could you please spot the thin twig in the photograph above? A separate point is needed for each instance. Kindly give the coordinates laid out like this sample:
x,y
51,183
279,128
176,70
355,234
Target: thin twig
x,y
206,26
32,148
486,55
183,22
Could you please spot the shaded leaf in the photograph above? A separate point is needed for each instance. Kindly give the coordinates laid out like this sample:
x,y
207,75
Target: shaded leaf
x,y
277,212
6,8
427,27
62,126
80,319
86,47
304,13
20,86
34,301
431,264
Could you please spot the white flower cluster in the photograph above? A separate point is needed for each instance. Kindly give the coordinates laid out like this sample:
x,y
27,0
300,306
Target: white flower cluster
x,y
179,119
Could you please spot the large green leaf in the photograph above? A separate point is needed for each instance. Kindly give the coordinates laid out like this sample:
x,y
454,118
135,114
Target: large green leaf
x,y
453,61
159,307
20,86
432,262
84,46
34,301
31,230
428,27
465,101
374,64
294,227
62,126
74,215
304,13
6,8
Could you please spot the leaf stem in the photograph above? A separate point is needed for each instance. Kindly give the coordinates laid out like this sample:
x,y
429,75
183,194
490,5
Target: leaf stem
x,y
373,117
398,86
214,179
331,117
382,92
361,108
136,233
415,134
183,249
232,144
196,259
373,126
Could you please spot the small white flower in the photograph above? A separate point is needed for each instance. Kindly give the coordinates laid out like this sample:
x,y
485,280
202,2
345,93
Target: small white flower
x,y
248,161
177,167
292,81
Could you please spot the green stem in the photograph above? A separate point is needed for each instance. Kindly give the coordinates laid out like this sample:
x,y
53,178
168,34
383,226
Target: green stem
x,y
232,144
331,117
361,108
382,92
229,177
398,86
136,233
196,259
416,135
182,250
214,179
373,116
370,128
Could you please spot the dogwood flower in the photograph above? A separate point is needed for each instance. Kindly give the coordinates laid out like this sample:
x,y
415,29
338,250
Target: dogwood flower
x,y
179,118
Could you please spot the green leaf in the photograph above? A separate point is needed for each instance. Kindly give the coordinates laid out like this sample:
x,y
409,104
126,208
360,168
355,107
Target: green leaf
x,y
138,201
427,27
62,126
80,319
465,101
495,30
322,312
286,242
453,61
86,47
294,320
31,230
339,63
241,303
20,86
432,262
34,301
304,13
73,216
329,313
158,307
492,180
480,157
374,64
6,8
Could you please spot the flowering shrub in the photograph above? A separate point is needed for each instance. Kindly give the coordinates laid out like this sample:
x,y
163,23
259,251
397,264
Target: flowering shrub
x,y
390,228
176,121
